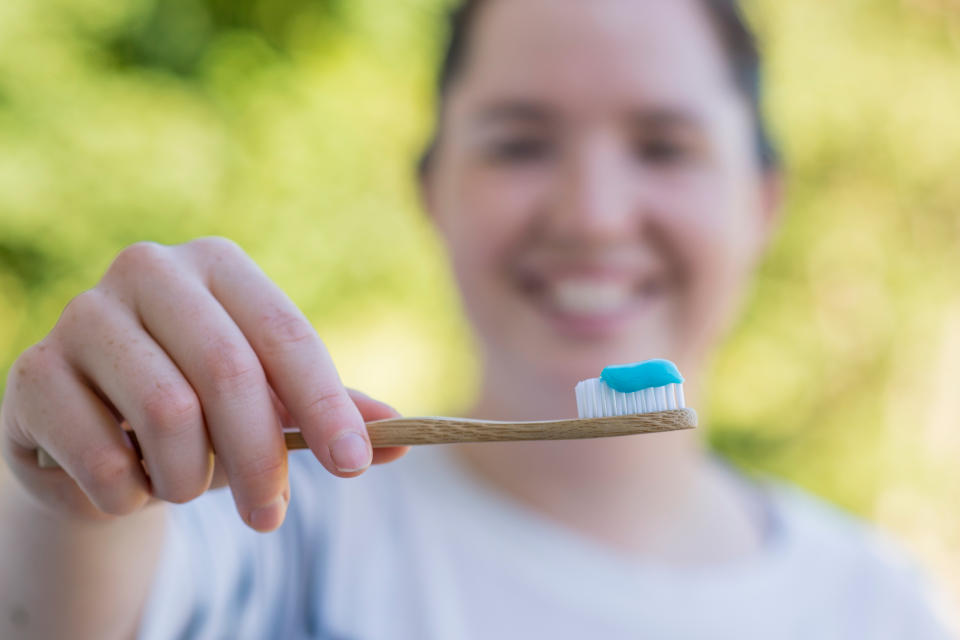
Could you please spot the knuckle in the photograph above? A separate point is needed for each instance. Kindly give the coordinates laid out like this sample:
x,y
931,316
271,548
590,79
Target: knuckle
x,y
185,490
138,256
107,467
31,378
34,363
328,404
218,246
261,470
183,495
81,310
283,329
172,408
230,367
33,375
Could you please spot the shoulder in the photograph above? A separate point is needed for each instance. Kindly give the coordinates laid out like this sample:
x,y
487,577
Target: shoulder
x,y
854,564
821,526
817,528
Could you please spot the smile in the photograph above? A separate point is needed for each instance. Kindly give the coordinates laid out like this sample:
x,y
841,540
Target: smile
x,y
593,305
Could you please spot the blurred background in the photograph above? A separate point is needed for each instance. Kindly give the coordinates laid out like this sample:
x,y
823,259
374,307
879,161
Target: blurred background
x,y
292,127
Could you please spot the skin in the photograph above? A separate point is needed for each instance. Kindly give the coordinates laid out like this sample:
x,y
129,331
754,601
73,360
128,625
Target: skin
x,y
224,368
642,175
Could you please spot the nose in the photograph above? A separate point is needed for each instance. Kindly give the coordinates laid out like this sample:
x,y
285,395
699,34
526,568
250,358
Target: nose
x,y
595,195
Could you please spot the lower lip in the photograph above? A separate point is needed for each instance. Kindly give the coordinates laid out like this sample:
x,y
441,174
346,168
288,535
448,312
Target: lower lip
x,y
597,325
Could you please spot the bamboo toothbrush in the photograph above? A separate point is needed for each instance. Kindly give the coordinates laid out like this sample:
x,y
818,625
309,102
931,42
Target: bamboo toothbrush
x,y
645,397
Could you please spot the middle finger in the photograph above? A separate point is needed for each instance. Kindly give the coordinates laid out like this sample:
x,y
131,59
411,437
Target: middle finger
x,y
202,338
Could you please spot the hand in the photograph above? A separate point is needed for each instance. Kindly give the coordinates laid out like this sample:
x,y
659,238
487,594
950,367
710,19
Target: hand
x,y
196,350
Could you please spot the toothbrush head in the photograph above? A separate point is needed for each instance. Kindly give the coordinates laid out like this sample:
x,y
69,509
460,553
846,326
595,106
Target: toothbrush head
x,y
641,387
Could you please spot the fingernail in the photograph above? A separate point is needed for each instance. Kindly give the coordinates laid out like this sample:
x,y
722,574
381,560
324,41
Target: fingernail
x,y
269,516
350,452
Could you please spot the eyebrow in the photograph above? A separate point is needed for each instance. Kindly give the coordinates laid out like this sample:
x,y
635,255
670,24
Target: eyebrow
x,y
528,112
513,110
665,118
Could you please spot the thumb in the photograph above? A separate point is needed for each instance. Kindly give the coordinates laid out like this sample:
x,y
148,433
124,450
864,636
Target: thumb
x,y
372,410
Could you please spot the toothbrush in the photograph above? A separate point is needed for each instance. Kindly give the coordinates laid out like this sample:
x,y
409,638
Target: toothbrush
x,y
644,397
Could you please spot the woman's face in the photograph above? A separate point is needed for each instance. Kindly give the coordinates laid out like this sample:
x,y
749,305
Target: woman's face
x,y
596,184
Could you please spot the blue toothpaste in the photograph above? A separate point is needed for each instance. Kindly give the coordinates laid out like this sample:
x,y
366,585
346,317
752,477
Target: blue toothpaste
x,y
625,389
627,378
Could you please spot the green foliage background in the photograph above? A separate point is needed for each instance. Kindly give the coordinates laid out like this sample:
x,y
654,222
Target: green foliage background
x,y
291,126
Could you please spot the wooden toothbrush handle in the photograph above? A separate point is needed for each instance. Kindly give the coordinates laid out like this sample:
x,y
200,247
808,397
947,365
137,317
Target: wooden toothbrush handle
x,y
408,431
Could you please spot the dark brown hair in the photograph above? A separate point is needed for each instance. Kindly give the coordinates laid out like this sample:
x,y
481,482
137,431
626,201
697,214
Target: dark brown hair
x,y
735,35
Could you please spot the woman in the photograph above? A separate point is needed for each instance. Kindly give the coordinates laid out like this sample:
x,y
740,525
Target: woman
x,y
604,186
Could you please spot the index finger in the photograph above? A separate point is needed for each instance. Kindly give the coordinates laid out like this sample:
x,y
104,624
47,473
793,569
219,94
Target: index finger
x,y
296,361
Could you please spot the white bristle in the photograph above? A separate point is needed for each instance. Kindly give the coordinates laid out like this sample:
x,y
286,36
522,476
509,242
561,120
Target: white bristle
x,y
595,399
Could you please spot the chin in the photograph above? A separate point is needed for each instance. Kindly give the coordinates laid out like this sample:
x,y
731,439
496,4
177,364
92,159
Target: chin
x,y
565,357
575,364
584,343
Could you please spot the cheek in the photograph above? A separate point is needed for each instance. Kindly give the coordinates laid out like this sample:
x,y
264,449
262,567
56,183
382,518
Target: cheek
x,y
709,231
718,212
709,234
491,214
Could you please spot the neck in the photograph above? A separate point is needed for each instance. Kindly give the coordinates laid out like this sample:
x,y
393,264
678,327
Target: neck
x,y
655,494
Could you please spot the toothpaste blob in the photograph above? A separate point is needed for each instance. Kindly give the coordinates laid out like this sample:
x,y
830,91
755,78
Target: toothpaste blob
x,y
627,378
641,387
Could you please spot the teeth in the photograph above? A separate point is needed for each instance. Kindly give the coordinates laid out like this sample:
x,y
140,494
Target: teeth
x,y
590,296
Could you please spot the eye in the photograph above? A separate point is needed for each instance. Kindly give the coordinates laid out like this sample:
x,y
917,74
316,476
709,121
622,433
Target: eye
x,y
663,151
519,149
